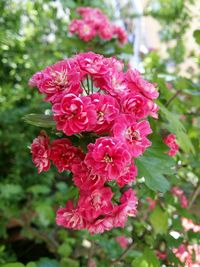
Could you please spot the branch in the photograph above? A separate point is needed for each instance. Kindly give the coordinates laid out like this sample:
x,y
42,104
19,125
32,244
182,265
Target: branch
x,y
173,97
118,260
194,196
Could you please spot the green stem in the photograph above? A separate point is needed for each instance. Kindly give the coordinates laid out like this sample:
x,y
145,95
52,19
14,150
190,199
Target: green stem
x,y
88,84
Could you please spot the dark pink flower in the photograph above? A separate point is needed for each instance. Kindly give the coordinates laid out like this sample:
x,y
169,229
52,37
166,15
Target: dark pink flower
x,y
184,201
177,191
130,201
170,141
133,134
62,77
70,217
92,63
121,34
101,225
122,241
40,150
107,110
128,177
84,179
64,155
74,114
108,157
135,104
95,203
161,255
152,203
86,31
139,85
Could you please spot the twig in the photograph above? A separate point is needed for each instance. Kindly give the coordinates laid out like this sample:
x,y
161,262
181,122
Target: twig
x,y
194,196
118,260
173,97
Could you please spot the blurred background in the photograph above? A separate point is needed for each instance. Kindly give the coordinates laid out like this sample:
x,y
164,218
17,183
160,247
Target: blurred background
x,y
164,44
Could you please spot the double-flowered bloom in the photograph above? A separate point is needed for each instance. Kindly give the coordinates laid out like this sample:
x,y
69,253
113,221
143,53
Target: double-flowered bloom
x,y
93,99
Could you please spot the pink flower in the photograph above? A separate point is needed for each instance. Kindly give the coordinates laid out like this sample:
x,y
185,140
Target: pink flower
x,y
101,225
121,34
107,110
177,191
152,109
64,155
40,150
130,200
106,32
62,77
161,255
108,157
84,179
70,217
86,31
128,177
184,201
74,114
139,85
36,79
152,203
133,134
95,203
92,63
189,225
170,141
122,241
91,23
135,104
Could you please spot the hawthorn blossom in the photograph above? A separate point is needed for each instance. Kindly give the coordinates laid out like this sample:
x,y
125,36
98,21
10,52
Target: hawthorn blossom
x,y
64,155
108,157
170,141
139,85
70,217
122,241
40,150
133,134
74,114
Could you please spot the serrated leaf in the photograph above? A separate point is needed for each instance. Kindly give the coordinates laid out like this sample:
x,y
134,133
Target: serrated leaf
x,y
159,220
153,165
40,120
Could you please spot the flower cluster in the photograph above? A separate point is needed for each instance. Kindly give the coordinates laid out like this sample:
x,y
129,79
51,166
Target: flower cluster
x,y
94,23
92,96
170,141
179,193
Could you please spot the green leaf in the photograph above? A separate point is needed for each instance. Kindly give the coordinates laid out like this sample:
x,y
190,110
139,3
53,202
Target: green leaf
x,y
196,35
153,165
159,220
148,259
16,264
45,213
40,120
64,249
39,189
176,127
69,263
45,262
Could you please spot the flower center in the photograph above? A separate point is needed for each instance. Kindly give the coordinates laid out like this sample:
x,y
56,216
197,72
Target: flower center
x,y
107,158
132,135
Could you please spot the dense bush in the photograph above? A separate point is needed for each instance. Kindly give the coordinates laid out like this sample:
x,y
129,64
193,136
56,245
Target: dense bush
x,y
34,35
